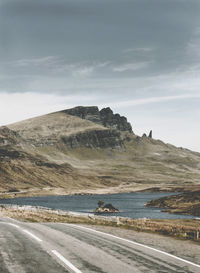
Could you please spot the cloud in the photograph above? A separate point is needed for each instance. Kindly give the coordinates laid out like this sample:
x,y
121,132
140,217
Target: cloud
x,y
131,66
193,46
43,7
96,77
47,61
83,69
138,49
57,65
139,102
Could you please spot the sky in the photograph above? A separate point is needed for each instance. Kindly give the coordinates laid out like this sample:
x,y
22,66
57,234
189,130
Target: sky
x,y
139,57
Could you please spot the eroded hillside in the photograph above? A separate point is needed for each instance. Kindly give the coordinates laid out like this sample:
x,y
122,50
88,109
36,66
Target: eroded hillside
x,y
87,150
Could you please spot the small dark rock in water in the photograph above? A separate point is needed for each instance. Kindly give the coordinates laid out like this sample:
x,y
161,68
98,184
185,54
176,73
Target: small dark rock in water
x,y
106,208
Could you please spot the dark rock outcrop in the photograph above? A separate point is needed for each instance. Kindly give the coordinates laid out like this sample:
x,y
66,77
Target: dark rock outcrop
x,y
105,117
89,113
182,203
94,139
150,134
8,136
9,154
98,138
114,121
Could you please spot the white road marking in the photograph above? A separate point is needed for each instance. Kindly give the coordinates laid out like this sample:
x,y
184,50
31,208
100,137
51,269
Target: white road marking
x,y
32,235
138,244
13,225
66,262
26,231
58,255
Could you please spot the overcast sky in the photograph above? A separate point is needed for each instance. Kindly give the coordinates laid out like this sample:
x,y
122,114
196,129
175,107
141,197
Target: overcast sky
x,y
140,57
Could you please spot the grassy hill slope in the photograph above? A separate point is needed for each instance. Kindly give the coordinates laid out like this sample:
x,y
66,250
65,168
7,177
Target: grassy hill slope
x,y
61,153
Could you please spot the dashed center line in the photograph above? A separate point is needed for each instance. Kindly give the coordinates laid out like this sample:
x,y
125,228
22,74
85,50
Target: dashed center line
x,y
56,253
66,262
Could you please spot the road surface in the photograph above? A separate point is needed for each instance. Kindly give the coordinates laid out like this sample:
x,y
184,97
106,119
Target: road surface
x,y
57,248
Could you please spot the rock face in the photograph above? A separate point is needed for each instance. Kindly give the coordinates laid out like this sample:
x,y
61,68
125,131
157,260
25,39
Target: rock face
x,y
107,208
94,139
89,113
8,136
114,121
104,117
150,134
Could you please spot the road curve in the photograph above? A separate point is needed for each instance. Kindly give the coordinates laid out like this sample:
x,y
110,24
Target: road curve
x,y
57,247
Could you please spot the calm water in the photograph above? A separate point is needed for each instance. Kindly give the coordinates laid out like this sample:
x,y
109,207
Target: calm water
x,y
130,204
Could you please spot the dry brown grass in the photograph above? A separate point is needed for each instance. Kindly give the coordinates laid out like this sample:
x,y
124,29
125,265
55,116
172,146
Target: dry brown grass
x,y
52,126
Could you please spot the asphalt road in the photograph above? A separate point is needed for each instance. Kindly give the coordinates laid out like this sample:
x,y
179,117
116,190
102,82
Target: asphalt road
x,y
57,248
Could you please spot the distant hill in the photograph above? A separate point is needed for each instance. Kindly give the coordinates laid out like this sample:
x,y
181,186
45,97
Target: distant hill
x,y
87,150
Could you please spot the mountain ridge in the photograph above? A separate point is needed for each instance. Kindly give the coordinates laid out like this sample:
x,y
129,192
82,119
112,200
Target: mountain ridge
x,y
104,117
64,153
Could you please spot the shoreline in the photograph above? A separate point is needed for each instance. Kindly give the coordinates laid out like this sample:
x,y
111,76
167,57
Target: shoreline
x,y
186,203
154,203
177,228
48,191
147,204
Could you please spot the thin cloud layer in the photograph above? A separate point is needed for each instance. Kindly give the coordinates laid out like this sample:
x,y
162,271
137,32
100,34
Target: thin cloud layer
x,y
154,100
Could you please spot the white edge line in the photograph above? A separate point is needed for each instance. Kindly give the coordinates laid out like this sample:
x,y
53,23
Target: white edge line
x,y
32,235
66,262
13,225
26,231
138,244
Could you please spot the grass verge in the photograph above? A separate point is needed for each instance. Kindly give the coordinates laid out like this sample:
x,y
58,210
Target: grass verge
x,y
187,229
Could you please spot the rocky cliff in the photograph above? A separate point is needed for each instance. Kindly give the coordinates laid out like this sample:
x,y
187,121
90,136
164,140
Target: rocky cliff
x,y
8,136
94,139
74,130
114,121
104,117
90,113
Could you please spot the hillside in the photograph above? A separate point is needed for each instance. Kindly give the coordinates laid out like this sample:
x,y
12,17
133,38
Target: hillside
x,y
87,150
61,129
185,203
